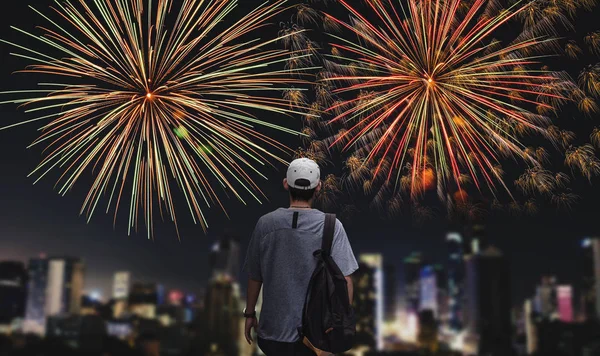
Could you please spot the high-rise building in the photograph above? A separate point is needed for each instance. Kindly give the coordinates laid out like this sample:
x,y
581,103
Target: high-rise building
x,y
121,282
412,266
530,328
364,304
487,317
434,291
390,292
565,303
374,262
546,299
143,300
428,290
13,288
55,288
65,286
456,279
591,279
222,314
225,258
35,318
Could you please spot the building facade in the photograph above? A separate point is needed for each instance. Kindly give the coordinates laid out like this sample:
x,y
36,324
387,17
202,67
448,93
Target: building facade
x,y
121,285
565,303
546,299
590,297
55,287
222,314
13,291
456,279
375,263
143,300
390,292
412,266
488,308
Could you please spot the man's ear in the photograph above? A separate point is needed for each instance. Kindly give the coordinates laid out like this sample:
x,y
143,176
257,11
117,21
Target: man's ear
x,y
318,188
285,184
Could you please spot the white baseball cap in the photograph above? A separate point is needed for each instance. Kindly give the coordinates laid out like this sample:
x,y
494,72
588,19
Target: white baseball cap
x,y
304,174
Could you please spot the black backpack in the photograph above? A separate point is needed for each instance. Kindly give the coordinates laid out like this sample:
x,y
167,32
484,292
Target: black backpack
x,y
328,320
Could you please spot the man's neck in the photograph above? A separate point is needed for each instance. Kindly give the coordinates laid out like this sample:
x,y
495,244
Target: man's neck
x,y
300,204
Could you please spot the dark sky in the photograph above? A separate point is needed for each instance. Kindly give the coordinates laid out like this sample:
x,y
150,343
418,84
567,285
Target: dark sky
x,y
34,218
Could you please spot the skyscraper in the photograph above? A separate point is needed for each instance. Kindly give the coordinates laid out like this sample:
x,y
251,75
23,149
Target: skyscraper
x,y
546,299
456,277
487,318
35,318
55,287
364,304
13,288
225,258
412,266
565,303
390,292
223,313
530,328
591,278
374,262
121,283
428,300
434,291
65,286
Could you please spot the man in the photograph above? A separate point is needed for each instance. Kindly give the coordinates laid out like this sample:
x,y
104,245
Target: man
x,y
280,259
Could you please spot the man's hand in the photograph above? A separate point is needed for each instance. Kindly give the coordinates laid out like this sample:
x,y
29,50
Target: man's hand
x,y
250,323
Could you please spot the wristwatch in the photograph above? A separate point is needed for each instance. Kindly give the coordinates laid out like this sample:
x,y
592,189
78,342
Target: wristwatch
x,y
249,315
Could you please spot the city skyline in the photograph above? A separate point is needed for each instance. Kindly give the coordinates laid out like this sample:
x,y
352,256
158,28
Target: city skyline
x,y
57,307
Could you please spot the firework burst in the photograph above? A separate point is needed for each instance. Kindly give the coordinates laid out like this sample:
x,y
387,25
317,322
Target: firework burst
x,y
430,86
153,96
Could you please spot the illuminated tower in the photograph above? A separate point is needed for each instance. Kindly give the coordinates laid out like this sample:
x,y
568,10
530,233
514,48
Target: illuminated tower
x,y
456,277
565,303
591,278
369,300
121,285
530,328
428,300
390,292
434,291
412,289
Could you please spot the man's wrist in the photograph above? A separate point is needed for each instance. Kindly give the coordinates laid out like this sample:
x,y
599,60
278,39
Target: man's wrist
x,y
249,313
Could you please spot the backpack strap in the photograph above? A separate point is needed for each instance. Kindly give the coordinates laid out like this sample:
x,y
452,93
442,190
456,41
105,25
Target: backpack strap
x,y
328,231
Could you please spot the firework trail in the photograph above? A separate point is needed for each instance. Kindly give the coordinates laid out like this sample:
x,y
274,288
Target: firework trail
x,y
155,98
425,86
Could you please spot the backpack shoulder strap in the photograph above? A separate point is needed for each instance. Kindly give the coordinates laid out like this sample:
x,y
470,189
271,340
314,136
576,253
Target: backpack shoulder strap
x,y
328,231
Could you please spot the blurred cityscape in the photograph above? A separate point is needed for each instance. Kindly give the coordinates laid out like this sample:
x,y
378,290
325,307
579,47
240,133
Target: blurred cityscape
x,y
459,306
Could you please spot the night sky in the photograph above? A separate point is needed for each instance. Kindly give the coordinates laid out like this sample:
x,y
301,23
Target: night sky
x,y
35,219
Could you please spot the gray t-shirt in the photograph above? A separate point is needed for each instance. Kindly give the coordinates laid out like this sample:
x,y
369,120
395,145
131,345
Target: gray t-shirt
x,y
281,256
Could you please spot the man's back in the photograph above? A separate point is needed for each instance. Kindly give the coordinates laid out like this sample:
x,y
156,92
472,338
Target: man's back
x,y
281,256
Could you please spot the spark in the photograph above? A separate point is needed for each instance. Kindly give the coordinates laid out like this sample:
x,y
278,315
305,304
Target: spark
x,y
475,88
153,110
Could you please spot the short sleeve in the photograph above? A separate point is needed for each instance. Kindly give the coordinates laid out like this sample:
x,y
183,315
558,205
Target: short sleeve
x,y
341,251
252,263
